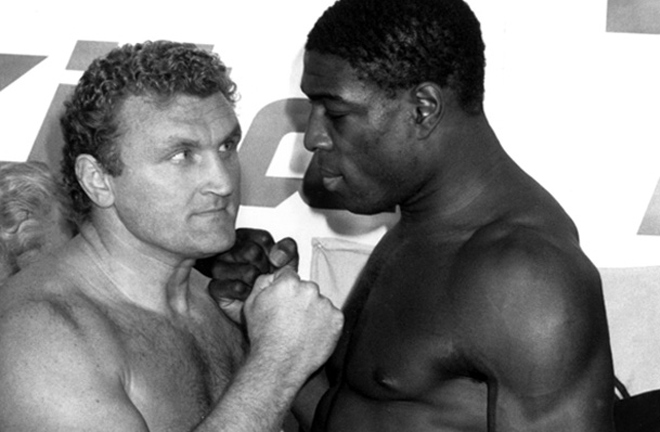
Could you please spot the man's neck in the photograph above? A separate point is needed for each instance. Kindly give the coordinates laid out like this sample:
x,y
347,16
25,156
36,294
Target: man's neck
x,y
154,281
471,170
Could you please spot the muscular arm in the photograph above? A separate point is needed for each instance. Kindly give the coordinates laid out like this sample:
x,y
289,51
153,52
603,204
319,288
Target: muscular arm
x,y
540,330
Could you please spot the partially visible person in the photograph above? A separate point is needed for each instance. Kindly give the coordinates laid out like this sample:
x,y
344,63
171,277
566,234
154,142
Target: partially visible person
x,y
478,310
35,215
118,331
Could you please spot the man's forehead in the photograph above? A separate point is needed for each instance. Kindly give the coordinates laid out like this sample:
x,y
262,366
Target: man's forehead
x,y
330,78
183,117
326,69
177,102
327,73
138,110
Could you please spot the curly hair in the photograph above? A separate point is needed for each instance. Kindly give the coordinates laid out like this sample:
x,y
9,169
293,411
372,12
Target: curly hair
x,y
29,196
398,44
160,70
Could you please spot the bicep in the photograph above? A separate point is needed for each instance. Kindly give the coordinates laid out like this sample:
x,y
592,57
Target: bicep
x,y
549,357
537,323
570,388
52,379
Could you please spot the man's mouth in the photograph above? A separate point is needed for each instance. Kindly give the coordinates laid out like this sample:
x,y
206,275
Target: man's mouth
x,y
331,183
212,212
331,179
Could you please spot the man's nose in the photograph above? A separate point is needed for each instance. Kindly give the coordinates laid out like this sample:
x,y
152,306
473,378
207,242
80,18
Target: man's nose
x,y
221,175
316,134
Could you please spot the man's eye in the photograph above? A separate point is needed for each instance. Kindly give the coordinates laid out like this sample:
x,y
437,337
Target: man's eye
x,y
182,156
335,113
228,146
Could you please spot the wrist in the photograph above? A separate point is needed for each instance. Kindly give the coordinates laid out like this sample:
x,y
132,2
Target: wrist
x,y
283,369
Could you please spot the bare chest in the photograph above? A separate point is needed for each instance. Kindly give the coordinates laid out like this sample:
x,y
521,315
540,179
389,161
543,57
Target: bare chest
x,y
175,374
402,337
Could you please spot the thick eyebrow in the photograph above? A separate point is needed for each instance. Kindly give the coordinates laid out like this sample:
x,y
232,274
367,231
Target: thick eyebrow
x,y
324,97
237,132
174,142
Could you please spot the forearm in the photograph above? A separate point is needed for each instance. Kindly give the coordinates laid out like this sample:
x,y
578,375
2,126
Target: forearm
x,y
256,400
292,330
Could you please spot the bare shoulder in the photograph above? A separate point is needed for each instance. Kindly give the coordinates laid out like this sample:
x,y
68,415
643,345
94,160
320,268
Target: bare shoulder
x,y
533,296
54,348
50,329
518,258
52,294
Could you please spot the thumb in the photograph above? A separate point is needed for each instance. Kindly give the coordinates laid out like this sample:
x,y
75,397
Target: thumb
x,y
262,282
233,309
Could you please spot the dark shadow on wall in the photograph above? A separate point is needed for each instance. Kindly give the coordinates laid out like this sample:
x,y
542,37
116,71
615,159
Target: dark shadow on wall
x,y
638,16
633,16
272,123
48,144
13,66
651,221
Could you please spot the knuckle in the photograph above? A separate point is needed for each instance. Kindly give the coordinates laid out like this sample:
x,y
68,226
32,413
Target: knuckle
x,y
219,271
253,252
252,273
257,235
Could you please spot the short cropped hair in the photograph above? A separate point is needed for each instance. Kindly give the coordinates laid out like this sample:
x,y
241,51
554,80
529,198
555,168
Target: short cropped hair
x,y
160,70
29,194
398,44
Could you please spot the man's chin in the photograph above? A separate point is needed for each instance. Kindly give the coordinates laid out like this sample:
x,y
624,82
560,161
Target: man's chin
x,y
214,245
366,209
205,260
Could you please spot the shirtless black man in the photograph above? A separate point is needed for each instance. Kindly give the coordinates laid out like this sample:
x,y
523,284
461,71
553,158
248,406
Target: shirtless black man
x,y
478,310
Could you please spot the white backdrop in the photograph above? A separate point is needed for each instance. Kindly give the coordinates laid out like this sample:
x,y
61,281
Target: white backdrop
x,y
575,105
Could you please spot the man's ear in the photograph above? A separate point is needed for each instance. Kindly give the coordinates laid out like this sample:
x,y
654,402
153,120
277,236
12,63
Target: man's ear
x,y
429,107
94,180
